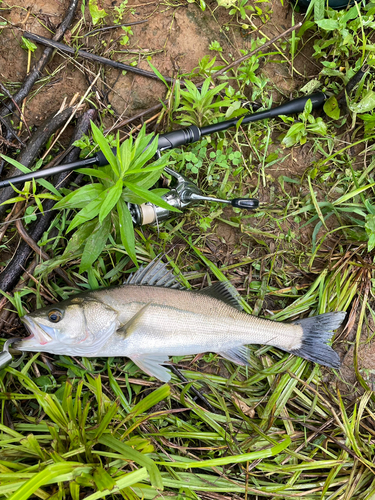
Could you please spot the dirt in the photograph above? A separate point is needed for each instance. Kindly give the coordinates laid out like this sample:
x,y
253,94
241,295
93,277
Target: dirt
x,y
176,37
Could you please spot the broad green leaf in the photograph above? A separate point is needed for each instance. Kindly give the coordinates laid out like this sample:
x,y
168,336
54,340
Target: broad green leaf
x,y
96,12
16,164
158,74
111,198
95,244
103,480
331,108
366,104
87,213
370,230
126,229
328,24
149,401
81,197
319,6
352,194
50,187
150,196
28,44
93,172
233,459
102,142
145,155
319,127
78,239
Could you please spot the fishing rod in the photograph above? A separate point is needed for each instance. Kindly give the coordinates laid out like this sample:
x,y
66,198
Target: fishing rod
x,y
179,137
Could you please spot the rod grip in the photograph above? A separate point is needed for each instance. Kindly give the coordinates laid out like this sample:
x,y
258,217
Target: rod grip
x,y
245,203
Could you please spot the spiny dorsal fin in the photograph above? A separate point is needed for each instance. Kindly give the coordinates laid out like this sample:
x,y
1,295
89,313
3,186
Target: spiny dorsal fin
x,y
225,291
154,274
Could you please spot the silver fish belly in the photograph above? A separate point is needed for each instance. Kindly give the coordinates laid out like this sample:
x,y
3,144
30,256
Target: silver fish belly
x,y
148,320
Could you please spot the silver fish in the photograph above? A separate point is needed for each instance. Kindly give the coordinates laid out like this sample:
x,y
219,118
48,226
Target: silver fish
x,y
150,318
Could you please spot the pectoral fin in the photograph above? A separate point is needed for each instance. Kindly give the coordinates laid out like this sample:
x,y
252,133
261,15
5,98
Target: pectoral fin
x,y
134,324
151,364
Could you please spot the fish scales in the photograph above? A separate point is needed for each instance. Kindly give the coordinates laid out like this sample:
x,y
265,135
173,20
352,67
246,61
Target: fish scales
x,y
148,319
181,322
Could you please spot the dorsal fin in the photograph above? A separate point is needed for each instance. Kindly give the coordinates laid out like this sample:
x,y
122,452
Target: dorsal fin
x,y
154,274
225,291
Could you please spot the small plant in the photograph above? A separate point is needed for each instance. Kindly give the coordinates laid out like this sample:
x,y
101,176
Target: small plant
x,y
120,11
200,107
96,11
299,131
125,38
103,204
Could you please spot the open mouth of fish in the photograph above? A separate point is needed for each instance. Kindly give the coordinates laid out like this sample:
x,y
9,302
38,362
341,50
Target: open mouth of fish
x,y
39,334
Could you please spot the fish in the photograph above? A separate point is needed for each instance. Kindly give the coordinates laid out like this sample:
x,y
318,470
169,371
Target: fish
x,y
152,317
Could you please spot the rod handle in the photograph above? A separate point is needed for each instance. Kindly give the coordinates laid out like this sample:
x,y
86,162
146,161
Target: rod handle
x,y
245,203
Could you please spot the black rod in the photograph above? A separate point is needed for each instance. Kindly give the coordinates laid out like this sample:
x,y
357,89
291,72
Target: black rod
x,y
180,137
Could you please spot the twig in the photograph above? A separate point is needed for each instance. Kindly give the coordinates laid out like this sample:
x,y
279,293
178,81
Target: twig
x,y
76,108
13,214
93,57
250,54
11,131
106,28
22,117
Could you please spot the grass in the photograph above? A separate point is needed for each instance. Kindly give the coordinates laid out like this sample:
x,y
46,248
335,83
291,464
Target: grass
x,y
281,428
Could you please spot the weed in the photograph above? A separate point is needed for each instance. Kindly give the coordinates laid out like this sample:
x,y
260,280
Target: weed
x,y
104,204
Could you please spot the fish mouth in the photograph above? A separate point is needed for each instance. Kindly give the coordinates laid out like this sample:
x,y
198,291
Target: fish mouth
x,y
39,334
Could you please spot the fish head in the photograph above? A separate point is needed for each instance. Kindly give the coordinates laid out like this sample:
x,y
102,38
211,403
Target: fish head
x,y
80,325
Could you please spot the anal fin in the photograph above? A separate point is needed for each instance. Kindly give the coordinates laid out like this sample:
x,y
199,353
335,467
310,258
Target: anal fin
x,y
151,364
239,355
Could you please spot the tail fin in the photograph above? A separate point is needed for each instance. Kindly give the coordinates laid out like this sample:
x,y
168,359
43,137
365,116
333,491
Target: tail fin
x,y
317,331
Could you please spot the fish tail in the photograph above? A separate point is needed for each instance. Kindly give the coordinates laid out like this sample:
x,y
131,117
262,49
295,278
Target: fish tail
x,y
317,331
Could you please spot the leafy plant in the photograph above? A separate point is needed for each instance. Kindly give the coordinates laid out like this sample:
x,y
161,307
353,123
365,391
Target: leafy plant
x,y
103,204
299,131
200,107
341,32
120,11
96,11
125,38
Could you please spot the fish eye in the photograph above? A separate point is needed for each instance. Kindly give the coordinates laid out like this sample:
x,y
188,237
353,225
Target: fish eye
x,y
55,316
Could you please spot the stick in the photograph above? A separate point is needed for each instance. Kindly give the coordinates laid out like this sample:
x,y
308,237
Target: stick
x,y
93,57
106,28
9,128
22,118
250,54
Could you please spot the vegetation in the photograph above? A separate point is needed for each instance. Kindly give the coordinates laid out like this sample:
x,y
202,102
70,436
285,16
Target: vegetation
x,y
282,428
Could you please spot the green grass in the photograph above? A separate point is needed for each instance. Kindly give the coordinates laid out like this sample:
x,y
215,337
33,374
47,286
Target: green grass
x,y
282,428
